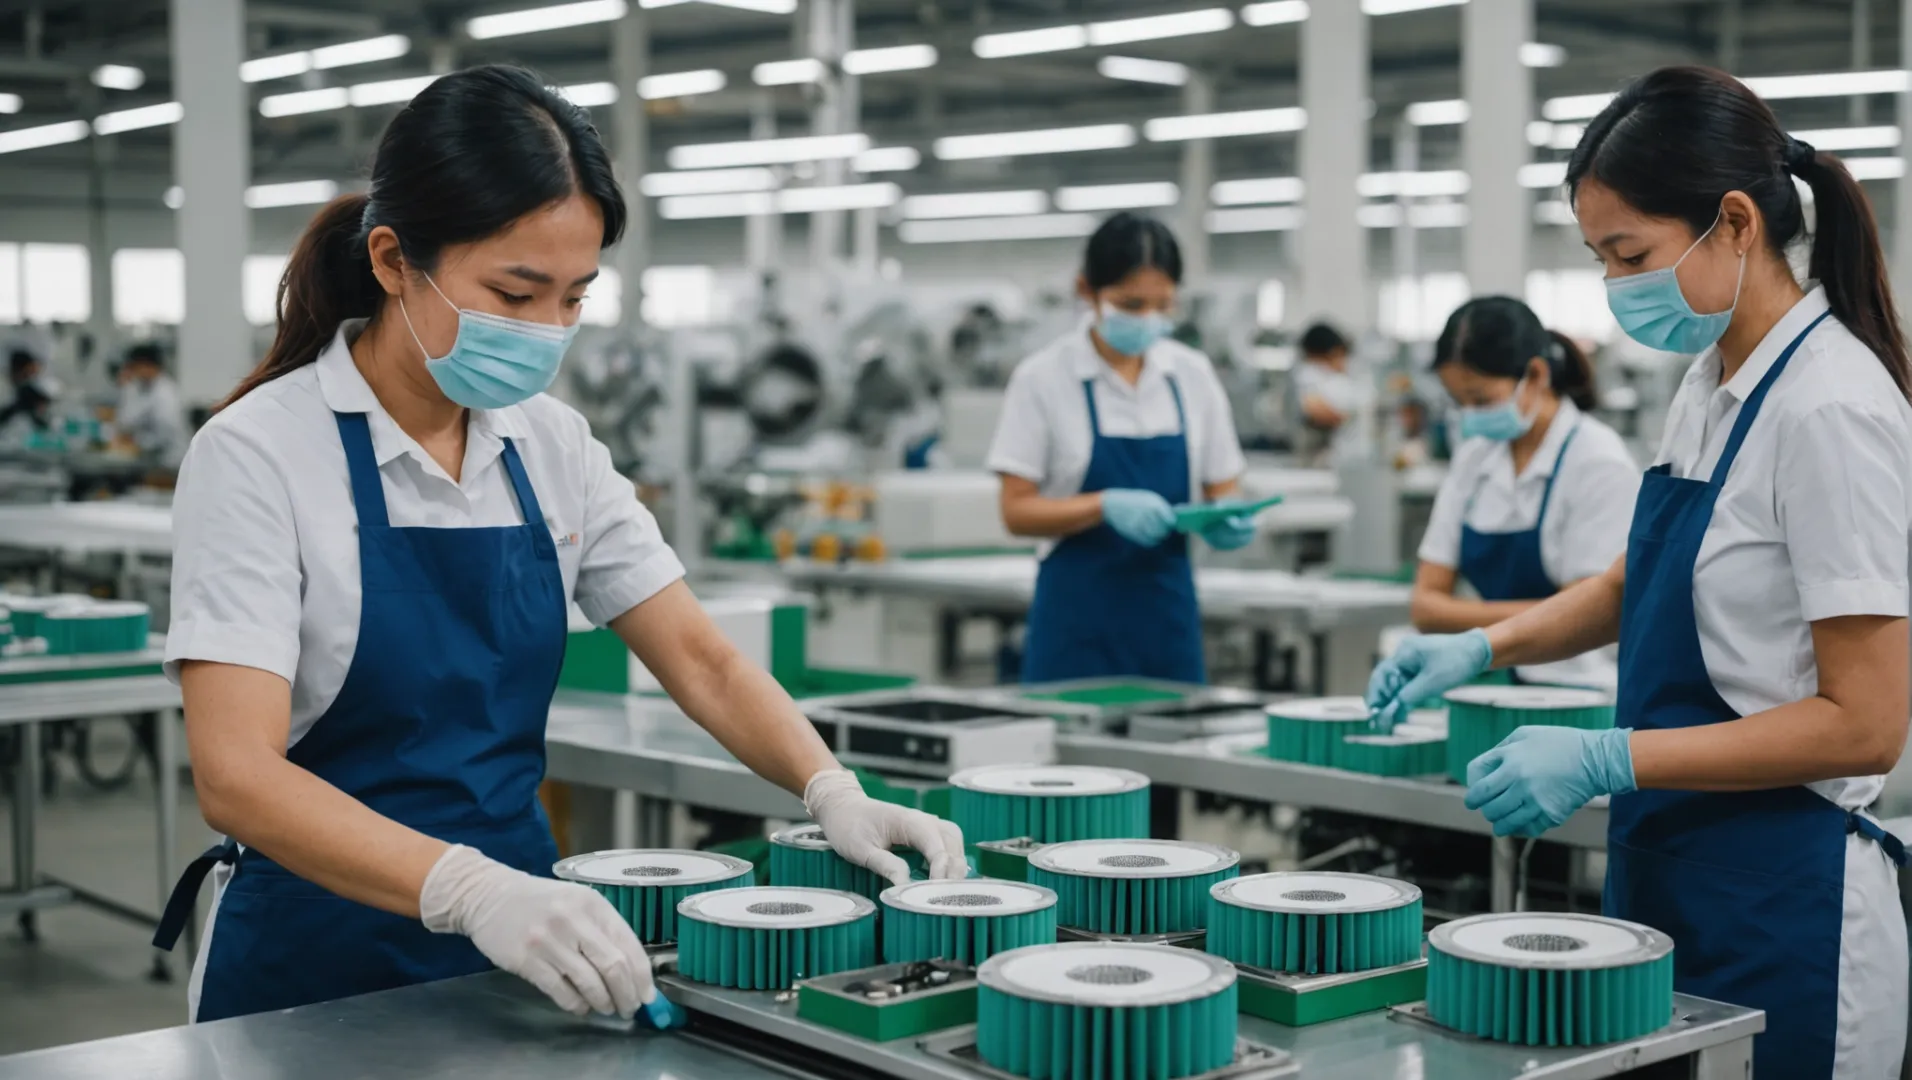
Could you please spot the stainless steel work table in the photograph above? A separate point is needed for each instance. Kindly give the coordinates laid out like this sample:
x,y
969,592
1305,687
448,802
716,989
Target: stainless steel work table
x,y
493,1025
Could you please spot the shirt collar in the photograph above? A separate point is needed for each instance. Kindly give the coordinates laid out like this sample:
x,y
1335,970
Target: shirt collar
x,y
1746,379
345,391
1088,364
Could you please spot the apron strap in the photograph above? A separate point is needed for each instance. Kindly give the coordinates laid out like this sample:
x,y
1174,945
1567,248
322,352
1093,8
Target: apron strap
x,y
368,491
1546,495
528,501
1095,422
1749,410
179,906
1181,415
1875,832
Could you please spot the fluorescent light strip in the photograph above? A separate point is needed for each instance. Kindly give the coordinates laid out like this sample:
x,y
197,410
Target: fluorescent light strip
x,y
367,51
1835,140
887,159
1271,189
12,103
304,101
813,200
1117,196
1875,168
33,138
766,7
1382,185
389,91
1543,174
1437,113
535,20
1047,141
1156,27
1436,216
1396,7
1537,54
1554,212
691,207
1030,42
1275,12
893,58
975,204
283,66
147,116
768,151
1254,219
707,182
679,84
590,95
1224,125
789,72
1576,107
118,77
295,193
1136,69
1830,84
1030,227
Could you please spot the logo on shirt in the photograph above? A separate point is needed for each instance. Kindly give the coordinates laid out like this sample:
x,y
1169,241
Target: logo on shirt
x,y
565,540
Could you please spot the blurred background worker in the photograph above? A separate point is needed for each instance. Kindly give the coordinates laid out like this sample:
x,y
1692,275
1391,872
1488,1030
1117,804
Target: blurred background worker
x,y
150,417
1539,495
1103,434
34,394
1326,395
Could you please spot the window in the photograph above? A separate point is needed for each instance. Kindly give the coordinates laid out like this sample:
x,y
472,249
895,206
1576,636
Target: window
x,y
259,288
1415,309
55,286
1573,302
9,283
149,287
1271,304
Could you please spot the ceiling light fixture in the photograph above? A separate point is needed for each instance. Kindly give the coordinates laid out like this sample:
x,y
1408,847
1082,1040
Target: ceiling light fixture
x,y
811,200
1396,7
1876,168
1028,227
590,95
1225,125
1254,219
1156,27
304,101
707,182
893,58
1046,141
367,51
887,159
1137,69
1030,42
806,69
1830,84
134,119
680,84
33,138
1537,54
975,204
1543,174
1275,12
118,77
11,103
388,91
1142,196
1270,189
1437,113
1414,185
1576,107
536,20
1835,140
294,193
768,151
766,7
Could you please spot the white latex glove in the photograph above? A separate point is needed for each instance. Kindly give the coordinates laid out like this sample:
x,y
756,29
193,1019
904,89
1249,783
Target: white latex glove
x,y
558,936
863,830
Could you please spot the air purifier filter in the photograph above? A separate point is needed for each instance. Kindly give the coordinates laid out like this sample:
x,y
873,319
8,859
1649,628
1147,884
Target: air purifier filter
x,y
1310,730
1549,980
964,921
800,857
1405,751
768,938
1479,717
95,626
645,885
1051,803
1315,922
1131,887
28,611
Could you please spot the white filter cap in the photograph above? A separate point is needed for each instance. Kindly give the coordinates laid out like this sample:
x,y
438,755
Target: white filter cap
x,y
1048,780
653,867
1109,974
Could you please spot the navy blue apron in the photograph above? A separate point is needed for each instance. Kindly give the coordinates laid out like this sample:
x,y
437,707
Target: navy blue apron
x,y
1105,606
1507,565
1750,884
439,725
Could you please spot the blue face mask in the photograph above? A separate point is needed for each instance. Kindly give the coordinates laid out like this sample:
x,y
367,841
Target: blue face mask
x,y
1131,335
495,361
1501,423
1653,311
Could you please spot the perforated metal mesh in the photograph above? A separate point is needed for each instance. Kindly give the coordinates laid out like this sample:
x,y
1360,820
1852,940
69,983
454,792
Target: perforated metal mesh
x,y
1047,782
1109,975
1314,896
1547,943
966,900
652,871
1133,862
779,907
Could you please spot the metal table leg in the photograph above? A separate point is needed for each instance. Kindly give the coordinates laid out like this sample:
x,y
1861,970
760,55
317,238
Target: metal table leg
x,y
1727,1061
166,787
1505,865
26,806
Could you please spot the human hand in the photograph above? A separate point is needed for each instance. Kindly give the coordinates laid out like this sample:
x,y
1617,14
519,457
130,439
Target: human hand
x,y
863,830
1538,776
1423,667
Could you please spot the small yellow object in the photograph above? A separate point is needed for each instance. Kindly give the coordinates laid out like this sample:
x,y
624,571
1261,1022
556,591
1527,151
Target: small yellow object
x,y
870,548
783,543
827,547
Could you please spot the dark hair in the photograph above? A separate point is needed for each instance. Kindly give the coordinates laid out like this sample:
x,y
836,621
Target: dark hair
x,y
1500,336
146,352
473,152
1320,339
19,360
1675,142
1126,243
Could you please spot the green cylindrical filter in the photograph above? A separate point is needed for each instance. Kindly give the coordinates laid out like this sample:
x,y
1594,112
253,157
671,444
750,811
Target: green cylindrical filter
x,y
29,610
1132,886
1051,803
1405,751
1549,980
770,937
645,885
1315,922
1310,730
965,921
96,626
1479,717
1104,1010
800,857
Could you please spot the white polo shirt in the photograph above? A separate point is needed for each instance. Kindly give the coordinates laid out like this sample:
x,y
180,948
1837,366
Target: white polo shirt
x,y
1044,434
1814,519
1586,525
265,548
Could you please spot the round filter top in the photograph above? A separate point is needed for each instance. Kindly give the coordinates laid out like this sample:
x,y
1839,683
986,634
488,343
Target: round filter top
x,y
97,609
1530,697
980,898
1559,941
1315,892
808,836
657,867
1107,974
1133,858
1339,710
1405,735
1062,780
776,907
46,603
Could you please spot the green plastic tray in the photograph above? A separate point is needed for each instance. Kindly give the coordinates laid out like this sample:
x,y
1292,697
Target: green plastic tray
x,y
1194,517
1297,1004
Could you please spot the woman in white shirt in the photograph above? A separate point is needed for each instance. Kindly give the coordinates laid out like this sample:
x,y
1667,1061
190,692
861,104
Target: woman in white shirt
x,y
1761,605
1539,493
1103,433
378,538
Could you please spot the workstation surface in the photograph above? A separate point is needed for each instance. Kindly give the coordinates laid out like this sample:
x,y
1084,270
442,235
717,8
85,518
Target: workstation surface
x,y
82,527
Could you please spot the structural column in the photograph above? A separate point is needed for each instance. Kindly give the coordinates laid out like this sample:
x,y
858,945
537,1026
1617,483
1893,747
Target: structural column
x,y
830,28
212,148
1902,188
1499,92
1334,151
630,139
763,233
1198,175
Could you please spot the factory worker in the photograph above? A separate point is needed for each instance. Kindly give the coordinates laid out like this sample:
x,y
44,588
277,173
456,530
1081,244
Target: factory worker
x,y
1539,493
378,538
1761,604
149,417
1103,433
1326,393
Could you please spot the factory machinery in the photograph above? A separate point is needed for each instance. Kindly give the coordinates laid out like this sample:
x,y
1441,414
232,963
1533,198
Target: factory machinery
x,y
1080,948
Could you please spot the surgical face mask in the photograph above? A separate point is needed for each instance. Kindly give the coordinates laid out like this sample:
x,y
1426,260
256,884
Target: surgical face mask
x,y
494,361
1502,423
1131,335
1653,311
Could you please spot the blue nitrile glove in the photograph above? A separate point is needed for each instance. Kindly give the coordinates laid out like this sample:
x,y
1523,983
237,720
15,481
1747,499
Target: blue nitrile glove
x,y
1232,532
1538,776
1425,666
1142,518
661,1014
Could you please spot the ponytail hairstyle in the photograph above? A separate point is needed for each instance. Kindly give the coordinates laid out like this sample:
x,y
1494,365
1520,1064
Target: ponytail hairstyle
x,y
471,154
1675,142
1499,336
1128,242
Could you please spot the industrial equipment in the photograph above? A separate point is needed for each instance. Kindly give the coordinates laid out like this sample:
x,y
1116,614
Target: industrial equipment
x,y
930,732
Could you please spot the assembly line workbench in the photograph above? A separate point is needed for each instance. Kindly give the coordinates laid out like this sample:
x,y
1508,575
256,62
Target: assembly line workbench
x,y
495,1025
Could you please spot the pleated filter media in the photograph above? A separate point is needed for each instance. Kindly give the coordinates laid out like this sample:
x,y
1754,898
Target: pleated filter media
x,y
800,857
645,885
1405,751
1132,887
1051,803
1315,922
964,921
1095,1010
1479,717
769,937
1549,980
1309,730
29,611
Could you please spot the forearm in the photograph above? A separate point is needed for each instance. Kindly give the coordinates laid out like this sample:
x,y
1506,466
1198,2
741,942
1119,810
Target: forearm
x,y
1797,743
1578,619
746,710
1227,489
1444,613
1036,516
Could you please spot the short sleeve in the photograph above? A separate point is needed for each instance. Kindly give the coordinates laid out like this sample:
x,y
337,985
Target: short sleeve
x,y
625,560
1599,514
237,586
1441,543
1840,487
1222,459
1023,433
